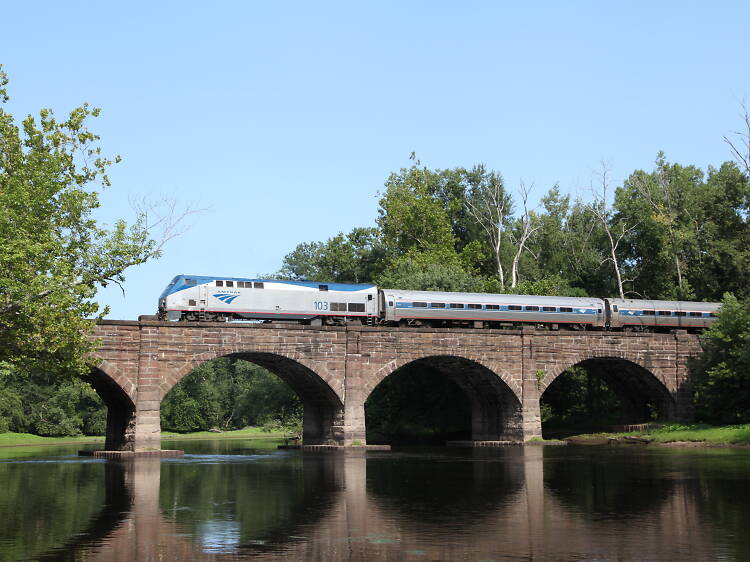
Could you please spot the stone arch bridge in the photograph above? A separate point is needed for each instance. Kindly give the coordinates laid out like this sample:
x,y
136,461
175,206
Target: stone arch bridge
x,y
334,370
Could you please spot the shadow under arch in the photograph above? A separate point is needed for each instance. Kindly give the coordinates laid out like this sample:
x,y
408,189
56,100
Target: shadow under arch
x,y
640,389
495,407
120,410
455,488
323,408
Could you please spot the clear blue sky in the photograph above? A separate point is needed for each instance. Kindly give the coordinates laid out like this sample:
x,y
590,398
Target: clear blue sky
x,y
284,119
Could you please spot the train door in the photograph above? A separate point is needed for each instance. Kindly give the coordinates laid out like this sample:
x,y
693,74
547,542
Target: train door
x,y
202,296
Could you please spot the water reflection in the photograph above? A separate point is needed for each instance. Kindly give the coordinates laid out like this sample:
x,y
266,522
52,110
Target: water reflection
x,y
238,501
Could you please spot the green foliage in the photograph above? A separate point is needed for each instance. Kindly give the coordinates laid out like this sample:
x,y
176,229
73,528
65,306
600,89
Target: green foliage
x,y
408,273
229,393
354,257
691,234
47,405
578,399
722,375
411,219
540,374
553,286
54,254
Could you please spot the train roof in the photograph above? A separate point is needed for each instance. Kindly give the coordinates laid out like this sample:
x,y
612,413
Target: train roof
x,y
179,282
671,305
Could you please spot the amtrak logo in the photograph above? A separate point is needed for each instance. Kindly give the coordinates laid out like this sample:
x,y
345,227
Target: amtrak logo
x,y
226,298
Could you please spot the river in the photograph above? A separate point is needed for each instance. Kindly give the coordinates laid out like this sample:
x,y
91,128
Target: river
x,y
236,499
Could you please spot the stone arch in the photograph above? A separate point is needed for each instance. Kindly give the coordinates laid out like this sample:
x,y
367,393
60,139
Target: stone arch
x,y
495,398
635,383
396,364
118,393
323,406
115,374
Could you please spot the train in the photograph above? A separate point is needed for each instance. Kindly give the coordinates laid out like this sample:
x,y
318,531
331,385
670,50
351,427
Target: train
x,y
200,298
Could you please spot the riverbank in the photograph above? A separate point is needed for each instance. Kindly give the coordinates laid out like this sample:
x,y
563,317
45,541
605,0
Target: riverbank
x,y
21,439
673,434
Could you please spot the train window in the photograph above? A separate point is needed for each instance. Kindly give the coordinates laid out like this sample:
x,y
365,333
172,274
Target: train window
x,y
258,285
390,303
220,283
665,313
356,307
514,307
419,305
492,306
437,305
369,297
240,284
456,305
338,306
614,308
230,283
680,313
531,308
696,314
323,287
566,309
649,313
474,306
191,302
190,282
549,309
711,315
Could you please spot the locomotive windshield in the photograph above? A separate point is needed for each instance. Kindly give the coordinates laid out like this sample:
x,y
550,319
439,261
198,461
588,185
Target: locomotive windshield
x,y
172,283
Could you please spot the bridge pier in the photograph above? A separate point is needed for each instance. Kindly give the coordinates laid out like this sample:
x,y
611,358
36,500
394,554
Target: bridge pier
x,y
354,431
531,407
148,398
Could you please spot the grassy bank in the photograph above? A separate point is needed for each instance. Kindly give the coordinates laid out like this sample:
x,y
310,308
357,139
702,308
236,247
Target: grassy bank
x,y
19,439
247,433
15,439
678,433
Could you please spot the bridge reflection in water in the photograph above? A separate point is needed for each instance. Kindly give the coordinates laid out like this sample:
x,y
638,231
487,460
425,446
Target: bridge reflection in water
x,y
527,502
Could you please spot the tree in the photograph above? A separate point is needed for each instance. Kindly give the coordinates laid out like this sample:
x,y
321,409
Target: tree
x,y
526,228
491,206
229,393
54,253
353,257
721,260
410,274
665,205
412,220
615,227
740,149
722,389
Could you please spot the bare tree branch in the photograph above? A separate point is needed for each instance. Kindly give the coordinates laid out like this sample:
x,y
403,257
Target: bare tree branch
x,y
529,227
160,221
490,206
741,149
601,208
